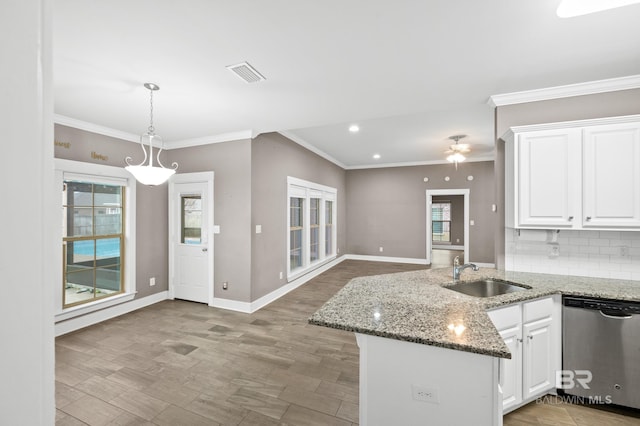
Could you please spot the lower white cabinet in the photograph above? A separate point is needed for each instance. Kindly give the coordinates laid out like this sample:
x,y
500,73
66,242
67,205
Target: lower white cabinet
x,y
531,331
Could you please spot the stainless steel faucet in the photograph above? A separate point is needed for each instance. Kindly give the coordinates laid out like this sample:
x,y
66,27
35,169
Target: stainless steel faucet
x,y
457,268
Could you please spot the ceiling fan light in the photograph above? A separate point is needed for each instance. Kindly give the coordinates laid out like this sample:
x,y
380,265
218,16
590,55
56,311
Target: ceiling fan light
x,y
456,157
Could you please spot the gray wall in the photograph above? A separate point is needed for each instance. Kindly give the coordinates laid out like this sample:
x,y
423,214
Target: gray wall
x,y
611,104
457,217
152,252
387,207
273,158
231,164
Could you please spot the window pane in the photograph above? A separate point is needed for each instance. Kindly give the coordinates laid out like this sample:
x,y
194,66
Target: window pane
x,y
79,194
108,220
107,195
79,221
191,219
314,229
296,210
328,230
107,280
314,244
295,243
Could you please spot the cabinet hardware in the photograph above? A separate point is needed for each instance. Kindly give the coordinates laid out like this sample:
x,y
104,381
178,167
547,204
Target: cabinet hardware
x,y
588,218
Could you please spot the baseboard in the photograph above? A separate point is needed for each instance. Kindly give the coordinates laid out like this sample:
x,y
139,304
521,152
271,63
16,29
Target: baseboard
x,y
410,260
447,247
73,324
232,305
278,293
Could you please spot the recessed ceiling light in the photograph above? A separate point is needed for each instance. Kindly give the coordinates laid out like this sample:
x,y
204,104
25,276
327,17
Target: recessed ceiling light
x,y
354,128
376,156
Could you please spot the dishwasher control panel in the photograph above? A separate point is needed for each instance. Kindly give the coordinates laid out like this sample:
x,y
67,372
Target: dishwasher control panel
x,y
629,308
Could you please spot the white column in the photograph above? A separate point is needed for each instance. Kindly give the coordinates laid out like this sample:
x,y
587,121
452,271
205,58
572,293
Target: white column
x,y
26,173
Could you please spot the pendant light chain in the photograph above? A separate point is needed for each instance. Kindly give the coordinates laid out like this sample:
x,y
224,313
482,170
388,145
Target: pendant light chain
x,y
151,128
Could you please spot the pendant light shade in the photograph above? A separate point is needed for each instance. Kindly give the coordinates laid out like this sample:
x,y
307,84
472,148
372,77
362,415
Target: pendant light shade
x,y
146,173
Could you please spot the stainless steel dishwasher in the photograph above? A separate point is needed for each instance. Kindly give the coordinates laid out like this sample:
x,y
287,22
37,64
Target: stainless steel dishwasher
x,y
601,350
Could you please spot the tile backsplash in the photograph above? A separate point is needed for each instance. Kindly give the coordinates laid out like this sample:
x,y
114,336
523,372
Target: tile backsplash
x,y
603,254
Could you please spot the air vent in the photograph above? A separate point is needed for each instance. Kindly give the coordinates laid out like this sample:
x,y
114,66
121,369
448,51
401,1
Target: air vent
x,y
246,72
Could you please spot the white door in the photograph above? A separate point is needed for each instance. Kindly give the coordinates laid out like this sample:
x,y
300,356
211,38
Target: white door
x,y
191,242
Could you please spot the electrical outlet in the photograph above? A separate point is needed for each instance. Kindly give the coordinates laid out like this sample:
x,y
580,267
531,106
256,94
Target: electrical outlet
x,y
624,251
425,394
381,249
152,281
225,285
554,252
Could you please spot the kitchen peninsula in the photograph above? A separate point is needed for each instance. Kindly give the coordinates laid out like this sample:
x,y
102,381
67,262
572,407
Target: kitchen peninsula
x,y
429,355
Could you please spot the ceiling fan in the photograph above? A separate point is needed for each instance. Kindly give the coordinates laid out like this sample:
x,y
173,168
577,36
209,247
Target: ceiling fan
x,y
456,151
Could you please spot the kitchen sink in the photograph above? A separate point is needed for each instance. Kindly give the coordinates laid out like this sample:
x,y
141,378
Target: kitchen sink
x,y
487,287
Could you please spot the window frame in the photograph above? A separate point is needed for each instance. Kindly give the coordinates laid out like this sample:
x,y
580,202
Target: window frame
x,y
299,188
99,174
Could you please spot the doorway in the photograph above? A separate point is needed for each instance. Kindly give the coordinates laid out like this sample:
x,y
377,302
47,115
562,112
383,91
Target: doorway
x,y
449,237
191,237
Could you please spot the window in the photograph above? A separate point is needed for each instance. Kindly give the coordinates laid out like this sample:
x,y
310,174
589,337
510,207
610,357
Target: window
x,y
311,225
96,209
441,221
93,241
191,219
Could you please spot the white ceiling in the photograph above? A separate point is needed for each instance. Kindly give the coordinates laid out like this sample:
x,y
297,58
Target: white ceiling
x,y
410,73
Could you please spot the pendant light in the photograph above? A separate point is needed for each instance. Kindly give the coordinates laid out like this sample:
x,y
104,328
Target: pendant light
x,y
148,174
456,151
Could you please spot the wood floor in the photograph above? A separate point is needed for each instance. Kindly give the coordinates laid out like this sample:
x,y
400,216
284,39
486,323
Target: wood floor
x,y
182,363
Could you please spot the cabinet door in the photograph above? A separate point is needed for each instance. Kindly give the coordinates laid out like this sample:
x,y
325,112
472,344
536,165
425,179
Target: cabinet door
x,y
538,357
611,189
511,369
549,180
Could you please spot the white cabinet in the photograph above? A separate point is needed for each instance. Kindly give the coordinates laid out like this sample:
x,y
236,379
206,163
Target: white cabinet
x,y
531,331
611,168
576,175
549,177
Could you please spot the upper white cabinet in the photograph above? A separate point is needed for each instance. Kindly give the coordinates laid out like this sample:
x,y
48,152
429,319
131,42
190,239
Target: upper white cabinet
x,y
574,175
611,182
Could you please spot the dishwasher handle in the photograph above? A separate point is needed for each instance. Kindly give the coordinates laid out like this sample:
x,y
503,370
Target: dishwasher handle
x,y
616,315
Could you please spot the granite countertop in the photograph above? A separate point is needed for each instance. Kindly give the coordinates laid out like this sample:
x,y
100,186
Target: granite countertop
x,y
416,307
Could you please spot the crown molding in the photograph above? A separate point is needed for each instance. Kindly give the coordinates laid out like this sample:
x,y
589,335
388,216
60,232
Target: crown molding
x,y
566,91
130,137
95,128
206,140
509,134
311,148
416,163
